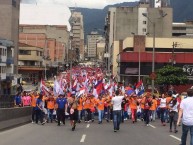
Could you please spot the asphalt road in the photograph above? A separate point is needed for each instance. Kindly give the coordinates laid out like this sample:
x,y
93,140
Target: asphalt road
x,y
91,134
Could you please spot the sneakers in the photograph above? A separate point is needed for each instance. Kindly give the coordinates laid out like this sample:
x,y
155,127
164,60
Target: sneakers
x,y
115,130
43,122
147,125
32,122
175,131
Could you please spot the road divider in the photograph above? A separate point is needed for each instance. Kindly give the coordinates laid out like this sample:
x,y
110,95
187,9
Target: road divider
x,y
152,126
88,125
83,138
175,137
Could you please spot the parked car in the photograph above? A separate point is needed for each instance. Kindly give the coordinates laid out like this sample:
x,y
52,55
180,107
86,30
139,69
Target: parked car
x,y
49,83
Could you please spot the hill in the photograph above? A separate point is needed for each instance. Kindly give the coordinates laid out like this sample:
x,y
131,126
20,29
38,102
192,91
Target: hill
x,y
95,18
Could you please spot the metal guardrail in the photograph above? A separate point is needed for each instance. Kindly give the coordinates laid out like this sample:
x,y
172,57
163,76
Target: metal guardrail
x,y
6,101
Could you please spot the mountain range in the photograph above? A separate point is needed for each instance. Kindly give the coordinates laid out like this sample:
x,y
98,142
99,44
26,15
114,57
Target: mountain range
x,y
94,19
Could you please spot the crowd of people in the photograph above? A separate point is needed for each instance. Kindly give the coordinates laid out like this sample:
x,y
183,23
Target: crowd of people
x,y
110,102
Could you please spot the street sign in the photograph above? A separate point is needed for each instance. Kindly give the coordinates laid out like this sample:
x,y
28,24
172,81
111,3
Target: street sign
x,y
153,75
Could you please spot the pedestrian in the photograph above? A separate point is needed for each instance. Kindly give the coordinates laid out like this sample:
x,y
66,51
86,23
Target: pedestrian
x,y
173,113
147,105
73,102
26,99
18,100
39,110
133,106
163,107
153,108
100,102
186,113
116,101
50,107
80,108
34,97
62,107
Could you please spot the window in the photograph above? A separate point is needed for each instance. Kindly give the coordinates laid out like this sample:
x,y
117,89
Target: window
x,y
14,3
144,29
24,52
144,22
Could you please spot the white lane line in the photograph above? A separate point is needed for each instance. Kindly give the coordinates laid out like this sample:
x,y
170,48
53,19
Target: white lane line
x,y
88,125
83,138
152,126
175,137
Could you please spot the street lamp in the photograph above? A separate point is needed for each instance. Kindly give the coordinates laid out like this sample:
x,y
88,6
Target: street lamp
x,y
153,53
45,57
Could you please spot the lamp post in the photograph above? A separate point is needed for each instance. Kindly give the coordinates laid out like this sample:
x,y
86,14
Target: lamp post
x,y
153,53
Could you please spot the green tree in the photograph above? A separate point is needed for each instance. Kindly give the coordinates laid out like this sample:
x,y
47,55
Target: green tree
x,y
171,75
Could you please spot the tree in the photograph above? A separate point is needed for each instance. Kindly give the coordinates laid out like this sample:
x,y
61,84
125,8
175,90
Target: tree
x,y
171,75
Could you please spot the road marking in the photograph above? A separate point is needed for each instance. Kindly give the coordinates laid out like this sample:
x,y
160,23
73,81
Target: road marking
x,y
88,125
152,126
83,138
175,137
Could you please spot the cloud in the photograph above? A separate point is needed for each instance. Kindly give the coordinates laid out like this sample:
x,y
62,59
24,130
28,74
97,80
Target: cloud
x,y
79,3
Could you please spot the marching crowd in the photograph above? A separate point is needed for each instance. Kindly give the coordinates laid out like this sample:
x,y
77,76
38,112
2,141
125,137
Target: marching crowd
x,y
117,104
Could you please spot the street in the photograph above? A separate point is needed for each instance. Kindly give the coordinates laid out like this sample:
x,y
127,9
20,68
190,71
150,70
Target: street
x,y
91,134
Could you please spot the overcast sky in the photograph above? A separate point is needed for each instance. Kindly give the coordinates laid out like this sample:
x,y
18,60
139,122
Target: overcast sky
x,y
99,4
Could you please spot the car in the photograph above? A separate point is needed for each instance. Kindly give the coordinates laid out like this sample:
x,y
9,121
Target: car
x,y
49,83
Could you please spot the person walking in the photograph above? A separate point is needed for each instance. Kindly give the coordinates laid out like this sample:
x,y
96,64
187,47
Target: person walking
x,y
39,109
163,107
62,106
173,112
116,101
186,113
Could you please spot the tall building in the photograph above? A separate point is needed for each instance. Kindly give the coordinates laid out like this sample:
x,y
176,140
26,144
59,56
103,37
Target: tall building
x,y
92,44
77,28
122,22
9,25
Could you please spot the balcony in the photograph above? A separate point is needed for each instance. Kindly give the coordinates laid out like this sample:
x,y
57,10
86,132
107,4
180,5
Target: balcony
x,y
9,61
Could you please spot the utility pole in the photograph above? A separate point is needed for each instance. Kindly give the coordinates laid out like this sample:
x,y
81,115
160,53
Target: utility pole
x,y
174,45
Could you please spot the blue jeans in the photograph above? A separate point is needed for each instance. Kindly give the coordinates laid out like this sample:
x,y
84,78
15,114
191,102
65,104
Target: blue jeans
x,y
162,114
50,114
100,114
185,130
116,119
79,115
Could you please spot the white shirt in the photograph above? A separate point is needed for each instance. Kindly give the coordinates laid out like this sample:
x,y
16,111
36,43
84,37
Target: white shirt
x,y
162,103
117,100
187,107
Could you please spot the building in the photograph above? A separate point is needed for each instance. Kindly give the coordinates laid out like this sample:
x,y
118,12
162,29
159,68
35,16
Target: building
x,y
174,51
7,78
92,39
77,28
31,62
182,29
54,40
9,25
101,52
123,22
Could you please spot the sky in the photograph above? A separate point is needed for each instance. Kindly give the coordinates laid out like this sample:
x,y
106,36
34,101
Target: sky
x,y
99,4
56,12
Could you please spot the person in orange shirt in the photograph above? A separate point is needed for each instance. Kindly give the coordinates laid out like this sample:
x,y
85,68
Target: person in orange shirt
x,y
80,108
93,107
34,97
100,102
87,106
133,107
153,108
50,107
142,102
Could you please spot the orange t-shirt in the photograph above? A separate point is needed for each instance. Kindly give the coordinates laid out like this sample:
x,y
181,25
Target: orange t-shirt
x,y
168,99
142,103
87,103
154,105
133,103
50,103
80,104
101,104
33,100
